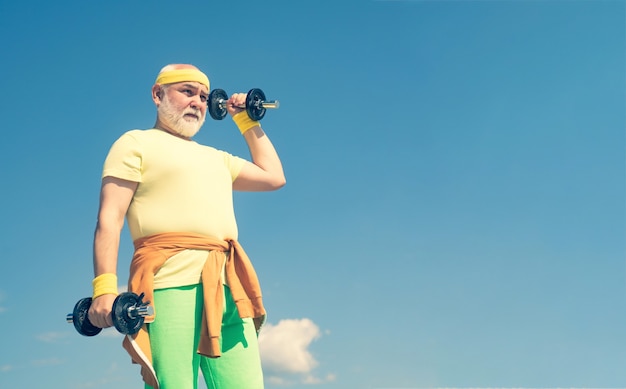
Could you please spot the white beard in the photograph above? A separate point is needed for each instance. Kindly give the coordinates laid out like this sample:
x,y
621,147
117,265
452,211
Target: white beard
x,y
185,126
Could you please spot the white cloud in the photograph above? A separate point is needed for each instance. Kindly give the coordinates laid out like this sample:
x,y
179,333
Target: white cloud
x,y
285,352
278,381
309,379
5,368
284,346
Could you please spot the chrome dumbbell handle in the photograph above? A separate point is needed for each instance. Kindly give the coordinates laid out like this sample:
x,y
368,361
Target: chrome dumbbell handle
x,y
140,311
262,104
133,312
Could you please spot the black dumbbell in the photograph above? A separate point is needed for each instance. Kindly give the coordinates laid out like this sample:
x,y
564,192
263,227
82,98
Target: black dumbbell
x,y
128,314
255,104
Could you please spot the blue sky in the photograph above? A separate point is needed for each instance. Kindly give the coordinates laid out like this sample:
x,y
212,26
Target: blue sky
x,y
455,208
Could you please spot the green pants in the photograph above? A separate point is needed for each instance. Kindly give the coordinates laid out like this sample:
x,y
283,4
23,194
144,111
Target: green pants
x,y
174,337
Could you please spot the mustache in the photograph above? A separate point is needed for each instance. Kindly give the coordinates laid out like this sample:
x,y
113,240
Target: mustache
x,y
192,111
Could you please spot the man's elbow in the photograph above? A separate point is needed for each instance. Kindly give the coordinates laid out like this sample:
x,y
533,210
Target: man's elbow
x,y
279,182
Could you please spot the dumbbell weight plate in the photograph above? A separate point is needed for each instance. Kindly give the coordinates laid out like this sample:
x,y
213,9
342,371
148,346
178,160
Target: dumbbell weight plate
x,y
254,104
80,321
216,110
123,321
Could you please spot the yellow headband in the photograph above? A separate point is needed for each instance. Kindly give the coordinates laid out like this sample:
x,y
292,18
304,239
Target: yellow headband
x,y
180,75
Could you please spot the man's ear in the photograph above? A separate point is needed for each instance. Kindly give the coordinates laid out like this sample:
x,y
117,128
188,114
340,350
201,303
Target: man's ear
x,y
157,94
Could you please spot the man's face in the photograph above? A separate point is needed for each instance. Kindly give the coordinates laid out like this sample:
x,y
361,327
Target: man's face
x,y
183,107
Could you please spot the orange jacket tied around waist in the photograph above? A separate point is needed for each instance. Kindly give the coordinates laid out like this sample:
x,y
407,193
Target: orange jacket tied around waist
x,y
152,251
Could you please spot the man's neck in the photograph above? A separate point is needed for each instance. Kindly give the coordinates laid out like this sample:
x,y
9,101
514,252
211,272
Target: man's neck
x,y
159,125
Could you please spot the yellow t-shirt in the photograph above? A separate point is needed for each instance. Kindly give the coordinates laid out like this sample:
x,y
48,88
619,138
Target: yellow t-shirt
x,y
183,187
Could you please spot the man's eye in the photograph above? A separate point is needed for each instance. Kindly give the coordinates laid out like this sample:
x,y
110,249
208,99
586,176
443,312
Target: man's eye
x,y
203,98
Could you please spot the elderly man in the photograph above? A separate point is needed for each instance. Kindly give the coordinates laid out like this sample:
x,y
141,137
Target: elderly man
x,y
176,196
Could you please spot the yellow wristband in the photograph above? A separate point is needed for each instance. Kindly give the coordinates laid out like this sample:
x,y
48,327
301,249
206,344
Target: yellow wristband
x,y
104,284
243,122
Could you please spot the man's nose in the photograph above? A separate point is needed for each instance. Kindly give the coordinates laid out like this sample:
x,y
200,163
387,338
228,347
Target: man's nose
x,y
197,103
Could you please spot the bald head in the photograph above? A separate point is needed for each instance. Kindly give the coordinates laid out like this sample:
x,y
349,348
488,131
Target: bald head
x,y
174,73
176,66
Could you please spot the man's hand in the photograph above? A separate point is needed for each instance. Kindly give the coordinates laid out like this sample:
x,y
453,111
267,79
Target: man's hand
x,y
100,311
235,101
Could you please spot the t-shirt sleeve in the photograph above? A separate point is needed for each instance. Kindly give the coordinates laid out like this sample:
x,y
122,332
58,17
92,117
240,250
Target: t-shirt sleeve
x,y
234,164
124,159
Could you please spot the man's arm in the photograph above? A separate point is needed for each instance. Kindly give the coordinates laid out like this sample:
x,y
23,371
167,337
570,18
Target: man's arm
x,y
115,197
265,172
